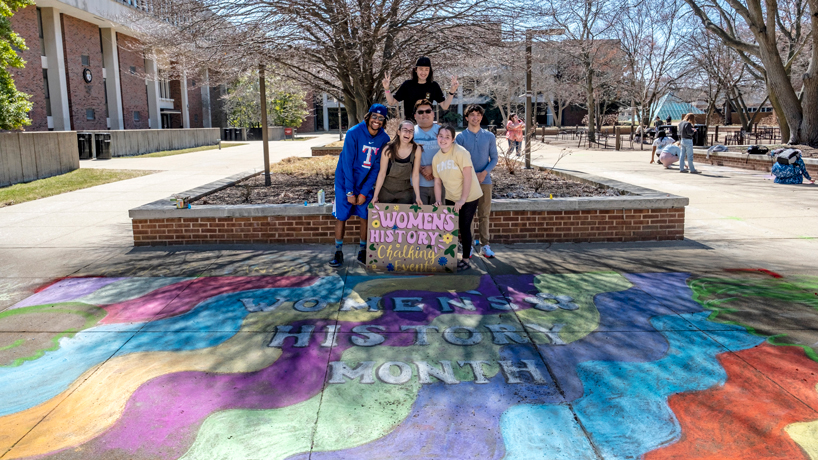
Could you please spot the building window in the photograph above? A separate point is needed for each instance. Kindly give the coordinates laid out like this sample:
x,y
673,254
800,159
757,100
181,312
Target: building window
x,y
136,116
86,61
40,30
105,85
90,115
196,118
192,82
133,70
47,94
164,89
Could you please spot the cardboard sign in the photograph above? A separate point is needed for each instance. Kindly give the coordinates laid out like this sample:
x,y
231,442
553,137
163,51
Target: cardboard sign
x,y
412,238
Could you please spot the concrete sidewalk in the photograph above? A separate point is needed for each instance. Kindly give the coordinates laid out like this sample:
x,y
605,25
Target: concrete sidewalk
x,y
703,348
736,213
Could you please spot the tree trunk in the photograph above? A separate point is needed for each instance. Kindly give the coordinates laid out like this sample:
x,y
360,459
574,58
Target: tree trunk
x,y
809,128
782,121
780,85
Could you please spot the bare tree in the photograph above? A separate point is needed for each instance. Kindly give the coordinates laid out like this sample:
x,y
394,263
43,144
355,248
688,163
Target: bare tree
x,y
769,35
497,72
589,39
342,47
650,36
557,78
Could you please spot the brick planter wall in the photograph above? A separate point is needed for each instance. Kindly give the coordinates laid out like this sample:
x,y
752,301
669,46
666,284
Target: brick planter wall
x,y
638,215
506,227
754,162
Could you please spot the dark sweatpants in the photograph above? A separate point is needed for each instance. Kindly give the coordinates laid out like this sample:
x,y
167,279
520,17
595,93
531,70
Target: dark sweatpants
x,y
466,216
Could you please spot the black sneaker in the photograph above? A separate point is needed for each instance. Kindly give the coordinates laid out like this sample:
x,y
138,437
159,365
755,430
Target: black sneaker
x,y
338,260
362,257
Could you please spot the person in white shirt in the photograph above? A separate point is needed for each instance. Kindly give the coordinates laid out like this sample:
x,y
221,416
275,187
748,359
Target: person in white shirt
x,y
661,141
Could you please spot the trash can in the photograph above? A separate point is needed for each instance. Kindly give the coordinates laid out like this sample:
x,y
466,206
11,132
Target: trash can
x,y
670,131
103,146
700,136
84,145
228,134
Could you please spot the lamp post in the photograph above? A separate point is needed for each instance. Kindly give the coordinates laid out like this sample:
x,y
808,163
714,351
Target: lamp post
x,y
529,116
264,134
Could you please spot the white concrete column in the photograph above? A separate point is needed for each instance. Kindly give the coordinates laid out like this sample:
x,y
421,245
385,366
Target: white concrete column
x,y
326,113
57,84
110,60
154,113
460,104
206,122
184,104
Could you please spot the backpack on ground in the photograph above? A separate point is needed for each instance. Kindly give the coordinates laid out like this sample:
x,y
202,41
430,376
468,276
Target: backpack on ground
x,y
757,150
788,157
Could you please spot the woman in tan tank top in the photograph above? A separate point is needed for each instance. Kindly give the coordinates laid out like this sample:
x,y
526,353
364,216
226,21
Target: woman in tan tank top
x,y
398,178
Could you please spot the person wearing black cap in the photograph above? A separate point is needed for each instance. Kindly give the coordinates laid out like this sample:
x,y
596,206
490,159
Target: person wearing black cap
x,y
421,86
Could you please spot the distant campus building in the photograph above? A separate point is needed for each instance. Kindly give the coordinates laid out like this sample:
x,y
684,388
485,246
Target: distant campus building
x,y
84,72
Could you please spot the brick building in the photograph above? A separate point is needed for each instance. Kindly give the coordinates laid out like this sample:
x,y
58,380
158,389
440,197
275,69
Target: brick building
x,y
83,72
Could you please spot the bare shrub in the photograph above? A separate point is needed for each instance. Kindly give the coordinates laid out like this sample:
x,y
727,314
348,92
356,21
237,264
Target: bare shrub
x,y
509,161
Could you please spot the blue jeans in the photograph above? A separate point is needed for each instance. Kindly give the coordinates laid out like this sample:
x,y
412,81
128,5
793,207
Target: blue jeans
x,y
687,150
512,145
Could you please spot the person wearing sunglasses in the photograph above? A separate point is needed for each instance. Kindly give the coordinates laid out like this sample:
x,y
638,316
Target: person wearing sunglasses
x,y
400,168
355,176
421,86
426,137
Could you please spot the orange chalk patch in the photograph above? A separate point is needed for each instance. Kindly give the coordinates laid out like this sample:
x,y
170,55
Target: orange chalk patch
x,y
747,417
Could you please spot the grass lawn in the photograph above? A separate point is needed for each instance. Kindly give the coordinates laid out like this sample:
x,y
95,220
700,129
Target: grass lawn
x,y
75,180
305,138
167,153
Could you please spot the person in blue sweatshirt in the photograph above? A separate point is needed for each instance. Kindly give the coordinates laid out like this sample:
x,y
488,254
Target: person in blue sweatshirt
x,y
482,145
355,177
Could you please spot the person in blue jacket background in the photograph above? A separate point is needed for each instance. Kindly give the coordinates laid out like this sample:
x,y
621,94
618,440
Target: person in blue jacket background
x,y
791,174
355,177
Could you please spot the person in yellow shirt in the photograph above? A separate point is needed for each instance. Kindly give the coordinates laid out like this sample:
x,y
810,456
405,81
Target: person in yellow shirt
x,y
453,170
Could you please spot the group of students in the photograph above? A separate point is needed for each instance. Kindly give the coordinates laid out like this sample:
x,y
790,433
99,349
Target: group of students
x,y
425,164
788,167
669,150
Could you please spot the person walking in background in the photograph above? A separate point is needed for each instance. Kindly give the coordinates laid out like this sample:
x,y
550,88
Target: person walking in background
x,y
355,176
669,120
453,169
400,167
686,131
422,85
426,136
659,143
514,133
657,122
482,148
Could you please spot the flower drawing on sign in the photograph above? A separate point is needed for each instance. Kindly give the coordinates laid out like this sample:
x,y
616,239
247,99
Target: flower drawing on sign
x,y
390,267
376,223
447,238
442,261
394,227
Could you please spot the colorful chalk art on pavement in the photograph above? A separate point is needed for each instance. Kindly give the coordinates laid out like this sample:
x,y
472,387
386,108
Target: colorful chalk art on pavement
x,y
557,366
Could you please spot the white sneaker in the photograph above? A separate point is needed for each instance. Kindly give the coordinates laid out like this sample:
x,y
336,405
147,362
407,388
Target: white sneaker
x,y
487,252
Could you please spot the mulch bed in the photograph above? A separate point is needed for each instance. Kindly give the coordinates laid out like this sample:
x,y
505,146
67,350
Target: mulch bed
x,y
290,189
